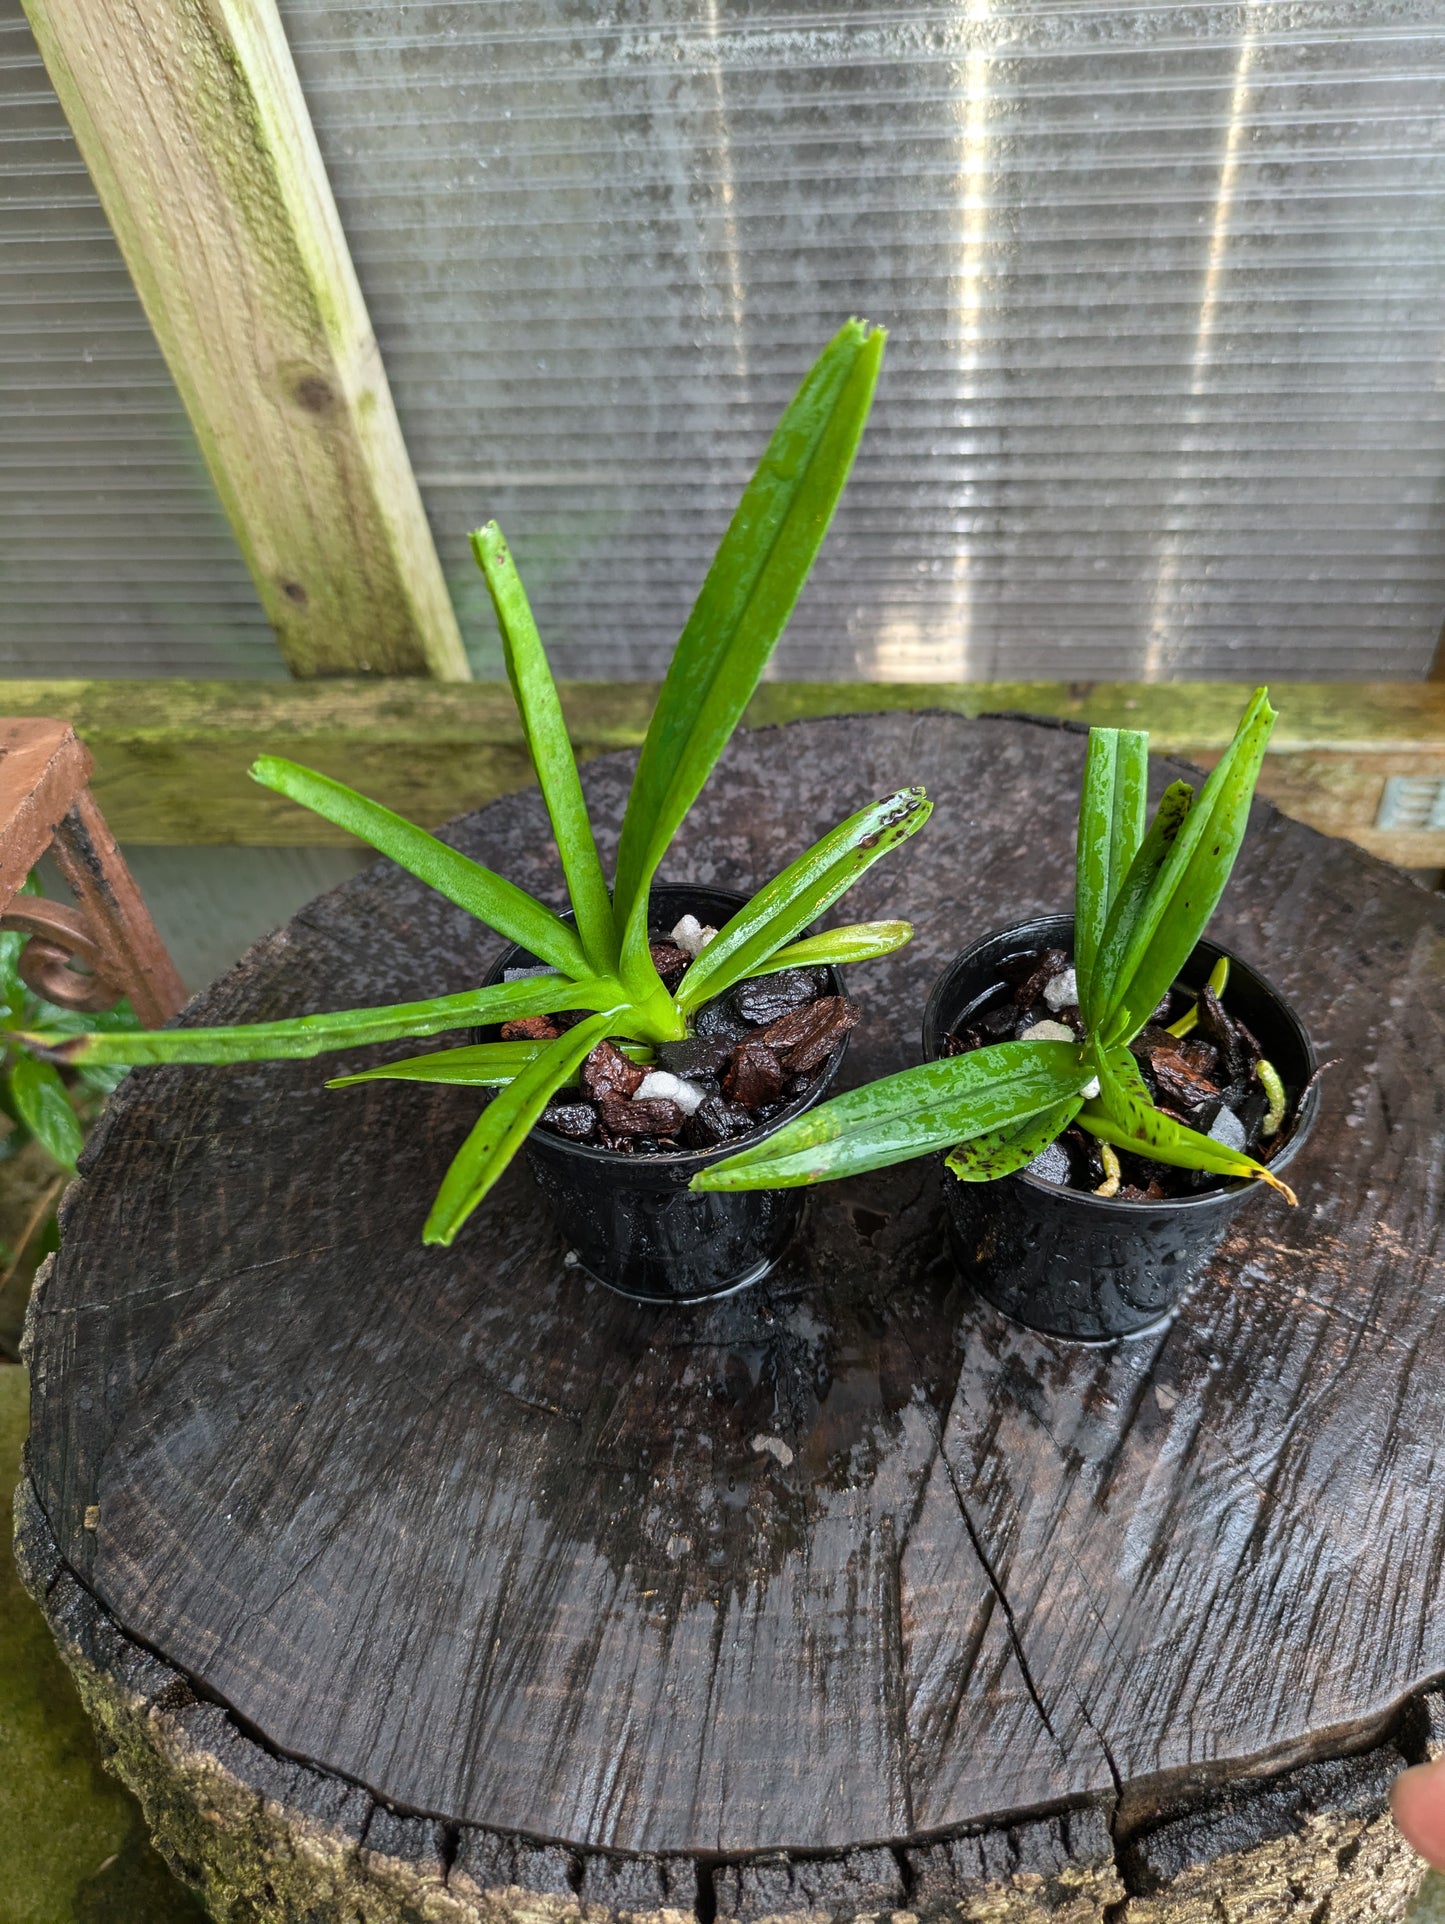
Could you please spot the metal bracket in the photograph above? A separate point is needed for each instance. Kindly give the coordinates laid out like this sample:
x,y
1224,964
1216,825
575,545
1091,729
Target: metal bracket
x,y
46,806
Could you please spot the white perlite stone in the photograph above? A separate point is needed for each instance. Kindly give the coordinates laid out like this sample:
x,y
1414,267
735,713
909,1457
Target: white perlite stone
x,y
1227,1129
1063,991
668,1088
692,936
1048,1032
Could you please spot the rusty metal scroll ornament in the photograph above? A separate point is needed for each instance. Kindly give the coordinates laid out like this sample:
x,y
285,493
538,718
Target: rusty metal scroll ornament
x,y
107,946
60,938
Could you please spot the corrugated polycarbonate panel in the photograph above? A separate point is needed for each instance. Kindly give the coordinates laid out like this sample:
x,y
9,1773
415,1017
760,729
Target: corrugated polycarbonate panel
x,y
115,557
1166,289
1166,285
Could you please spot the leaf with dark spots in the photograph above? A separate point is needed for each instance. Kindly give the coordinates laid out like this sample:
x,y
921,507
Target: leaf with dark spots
x,y
999,1152
800,894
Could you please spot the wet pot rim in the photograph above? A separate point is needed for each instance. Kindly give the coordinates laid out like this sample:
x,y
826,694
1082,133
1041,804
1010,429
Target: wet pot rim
x,y
1032,933
690,1160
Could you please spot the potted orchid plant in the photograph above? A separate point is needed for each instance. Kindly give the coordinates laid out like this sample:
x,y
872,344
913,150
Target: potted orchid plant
x,y
635,1038
1109,1087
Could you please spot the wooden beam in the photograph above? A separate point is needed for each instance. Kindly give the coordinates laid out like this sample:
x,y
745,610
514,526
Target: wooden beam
x,y
171,757
191,120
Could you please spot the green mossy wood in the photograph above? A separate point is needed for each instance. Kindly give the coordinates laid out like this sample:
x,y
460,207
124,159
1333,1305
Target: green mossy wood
x,y
171,757
824,1601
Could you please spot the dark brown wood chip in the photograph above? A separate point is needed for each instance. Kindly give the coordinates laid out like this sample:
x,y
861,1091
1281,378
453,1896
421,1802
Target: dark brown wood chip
x,y
766,997
1179,1085
1201,1057
805,1037
530,1028
716,1120
608,1073
754,1076
653,1116
671,962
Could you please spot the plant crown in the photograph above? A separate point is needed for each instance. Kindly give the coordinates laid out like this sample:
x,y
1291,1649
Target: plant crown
x,y
1142,900
602,963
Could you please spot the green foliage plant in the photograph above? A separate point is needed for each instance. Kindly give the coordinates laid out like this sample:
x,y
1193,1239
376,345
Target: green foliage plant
x,y
36,1100
603,963
1143,897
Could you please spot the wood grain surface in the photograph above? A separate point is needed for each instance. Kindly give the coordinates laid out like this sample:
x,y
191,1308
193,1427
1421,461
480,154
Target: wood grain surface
x,y
847,1560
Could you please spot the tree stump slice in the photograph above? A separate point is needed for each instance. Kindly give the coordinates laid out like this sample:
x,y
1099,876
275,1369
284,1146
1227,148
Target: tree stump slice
x,y
410,1583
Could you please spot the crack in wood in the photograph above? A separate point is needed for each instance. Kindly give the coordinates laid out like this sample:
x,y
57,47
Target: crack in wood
x,y
986,1564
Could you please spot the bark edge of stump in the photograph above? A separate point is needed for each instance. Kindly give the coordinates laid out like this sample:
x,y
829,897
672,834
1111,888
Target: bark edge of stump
x,y
264,1837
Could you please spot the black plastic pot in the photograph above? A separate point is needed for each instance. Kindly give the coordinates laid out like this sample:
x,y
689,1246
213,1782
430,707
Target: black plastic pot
x,y
1090,1267
632,1220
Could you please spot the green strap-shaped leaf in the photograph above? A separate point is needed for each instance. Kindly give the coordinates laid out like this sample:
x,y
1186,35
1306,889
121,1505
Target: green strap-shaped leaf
x,y
485,1065
313,1035
743,608
1111,827
1122,1114
503,1125
1143,873
43,1106
748,944
550,748
932,1106
1001,1151
493,900
855,942
1130,805
1187,889
1171,1142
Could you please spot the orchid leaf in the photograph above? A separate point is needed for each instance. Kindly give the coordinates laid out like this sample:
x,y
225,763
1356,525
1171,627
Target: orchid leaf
x,y
1183,1148
40,1100
1111,827
503,1126
999,1152
493,900
311,1035
1186,891
545,728
1096,983
855,942
932,1106
742,609
749,943
1123,1115
484,1065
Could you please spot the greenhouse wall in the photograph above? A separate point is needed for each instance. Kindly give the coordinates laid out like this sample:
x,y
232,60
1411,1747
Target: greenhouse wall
x,y
1165,284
